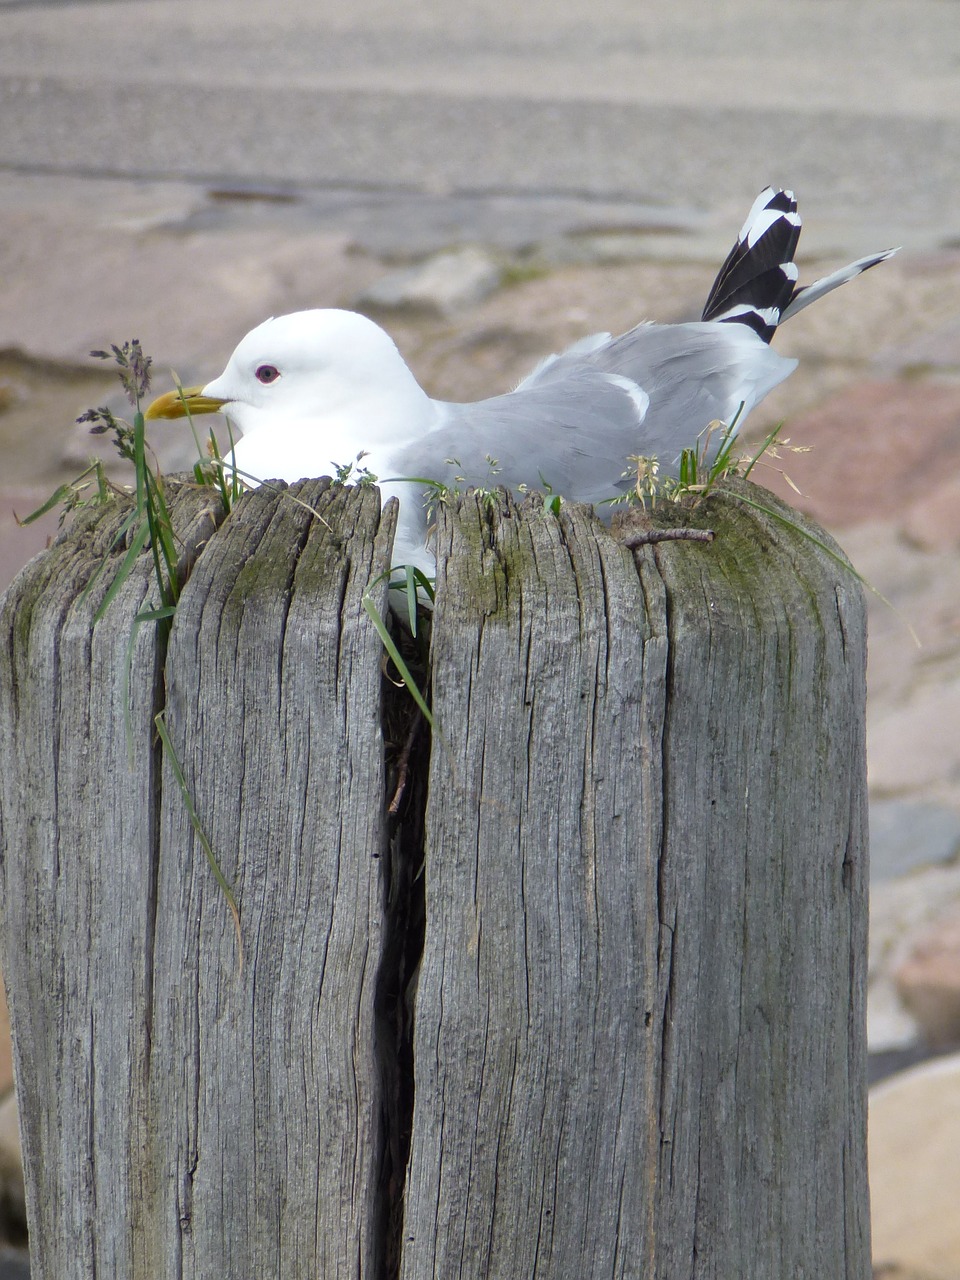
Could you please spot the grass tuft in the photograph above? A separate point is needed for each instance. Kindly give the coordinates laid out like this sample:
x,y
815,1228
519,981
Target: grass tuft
x,y
149,525
412,582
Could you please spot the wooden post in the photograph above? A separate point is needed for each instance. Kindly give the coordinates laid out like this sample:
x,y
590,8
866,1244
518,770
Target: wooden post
x,y
638,1042
181,1114
77,843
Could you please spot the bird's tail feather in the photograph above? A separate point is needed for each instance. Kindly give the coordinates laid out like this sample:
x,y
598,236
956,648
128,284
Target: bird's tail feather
x,y
757,285
808,293
758,279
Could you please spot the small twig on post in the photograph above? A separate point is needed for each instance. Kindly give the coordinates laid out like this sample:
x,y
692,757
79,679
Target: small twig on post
x,y
644,537
403,764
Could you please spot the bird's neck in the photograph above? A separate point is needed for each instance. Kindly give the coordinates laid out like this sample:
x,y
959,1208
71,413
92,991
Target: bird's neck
x,y
373,424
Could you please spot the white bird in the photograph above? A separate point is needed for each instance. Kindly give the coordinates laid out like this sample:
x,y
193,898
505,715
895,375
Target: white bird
x,y
309,392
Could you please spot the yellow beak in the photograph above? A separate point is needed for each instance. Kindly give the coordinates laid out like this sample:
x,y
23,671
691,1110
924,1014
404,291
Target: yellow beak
x,y
186,400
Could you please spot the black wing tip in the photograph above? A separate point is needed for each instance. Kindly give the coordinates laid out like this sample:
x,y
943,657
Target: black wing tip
x,y
757,284
758,278
781,198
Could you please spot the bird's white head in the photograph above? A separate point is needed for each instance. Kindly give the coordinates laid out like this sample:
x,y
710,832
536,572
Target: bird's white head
x,y
318,365
311,386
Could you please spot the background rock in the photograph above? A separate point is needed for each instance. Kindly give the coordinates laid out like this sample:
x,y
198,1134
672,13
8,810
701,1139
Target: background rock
x,y
928,979
440,286
915,1171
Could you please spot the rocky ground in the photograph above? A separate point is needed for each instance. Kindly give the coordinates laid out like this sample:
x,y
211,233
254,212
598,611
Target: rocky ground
x,y
876,401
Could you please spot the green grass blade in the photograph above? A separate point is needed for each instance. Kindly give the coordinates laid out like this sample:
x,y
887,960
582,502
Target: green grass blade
x,y
145,615
388,643
178,385
156,615
721,462
769,440
161,527
195,822
136,546
152,524
427,585
59,495
235,486
140,460
410,588
424,480
220,475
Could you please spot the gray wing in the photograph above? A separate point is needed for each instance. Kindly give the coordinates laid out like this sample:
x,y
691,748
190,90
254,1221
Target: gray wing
x,y
571,437
574,422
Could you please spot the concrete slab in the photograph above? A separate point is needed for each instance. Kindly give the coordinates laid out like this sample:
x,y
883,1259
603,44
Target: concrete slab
x,y
859,108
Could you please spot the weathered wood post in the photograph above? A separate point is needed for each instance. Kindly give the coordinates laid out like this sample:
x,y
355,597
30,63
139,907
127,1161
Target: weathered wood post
x,y
181,1114
638,1030
640,1042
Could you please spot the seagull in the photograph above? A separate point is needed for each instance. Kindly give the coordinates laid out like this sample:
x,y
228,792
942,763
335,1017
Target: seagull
x,y
327,390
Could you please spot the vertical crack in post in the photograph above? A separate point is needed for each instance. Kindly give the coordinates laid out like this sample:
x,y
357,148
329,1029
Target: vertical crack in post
x,y
406,736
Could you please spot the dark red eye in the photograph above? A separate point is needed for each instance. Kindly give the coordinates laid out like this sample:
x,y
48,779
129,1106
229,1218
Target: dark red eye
x,y
267,373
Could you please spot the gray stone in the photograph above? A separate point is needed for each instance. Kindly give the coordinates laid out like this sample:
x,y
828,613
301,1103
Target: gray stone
x,y
928,980
895,1271
905,834
443,284
628,244
902,911
889,1062
912,745
890,1028
14,1264
12,393
501,100
403,226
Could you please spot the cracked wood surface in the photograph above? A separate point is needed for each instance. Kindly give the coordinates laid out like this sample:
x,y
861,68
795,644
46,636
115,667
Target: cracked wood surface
x,y
640,1020
184,1117
639,1028
77,851
269,1075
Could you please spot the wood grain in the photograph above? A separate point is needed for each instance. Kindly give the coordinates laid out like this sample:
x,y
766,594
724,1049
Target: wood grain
x,y
640,1019
184,1116
264,1080
78,821
639,1026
